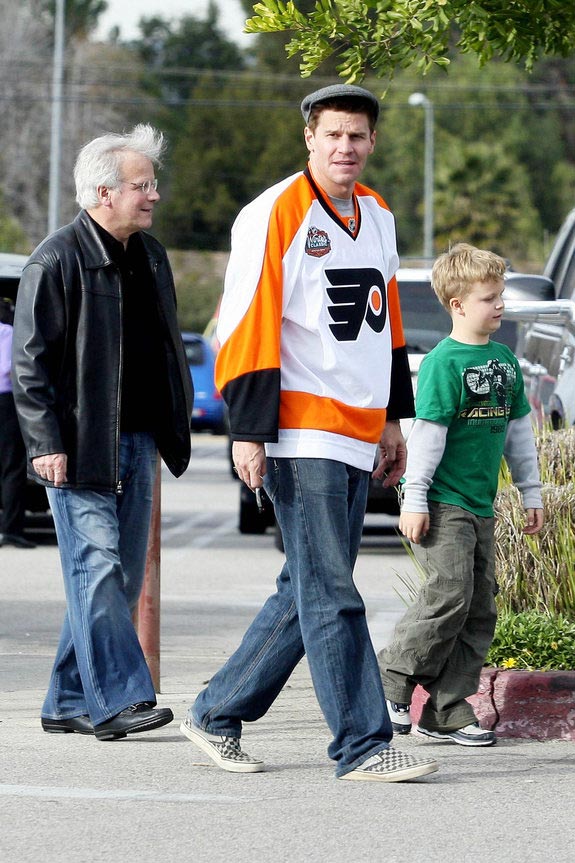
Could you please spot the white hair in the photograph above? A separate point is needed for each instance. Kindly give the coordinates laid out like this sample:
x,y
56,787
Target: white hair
x,y
99,161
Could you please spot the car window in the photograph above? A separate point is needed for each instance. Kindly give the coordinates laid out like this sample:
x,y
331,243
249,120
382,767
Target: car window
x,y
194,353
560,266
8,287
567,291
425,321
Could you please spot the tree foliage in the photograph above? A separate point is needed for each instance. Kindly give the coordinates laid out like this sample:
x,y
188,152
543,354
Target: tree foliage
x,y
504,139
238,134
383,35
93,75
81,16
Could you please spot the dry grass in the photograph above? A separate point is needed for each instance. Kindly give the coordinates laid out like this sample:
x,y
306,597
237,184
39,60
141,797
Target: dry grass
x,y
538,573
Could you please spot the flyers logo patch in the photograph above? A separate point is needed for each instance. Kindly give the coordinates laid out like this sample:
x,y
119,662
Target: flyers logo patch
x,y
357,295
317,243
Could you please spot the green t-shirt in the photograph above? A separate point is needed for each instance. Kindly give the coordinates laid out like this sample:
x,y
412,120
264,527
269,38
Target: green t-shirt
x,y
474,390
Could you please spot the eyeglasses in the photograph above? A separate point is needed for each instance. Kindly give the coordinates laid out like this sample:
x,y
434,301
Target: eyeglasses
x,y
145,187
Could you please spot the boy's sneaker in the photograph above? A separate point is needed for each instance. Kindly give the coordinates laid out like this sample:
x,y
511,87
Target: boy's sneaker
x,y
400,718
224,751
470,735
391,765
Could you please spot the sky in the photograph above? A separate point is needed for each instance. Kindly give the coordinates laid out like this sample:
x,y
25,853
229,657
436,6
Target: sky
x,y
126,14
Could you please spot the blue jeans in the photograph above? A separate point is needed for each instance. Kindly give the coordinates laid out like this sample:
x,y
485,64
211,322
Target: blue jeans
x,y
100,668
316,610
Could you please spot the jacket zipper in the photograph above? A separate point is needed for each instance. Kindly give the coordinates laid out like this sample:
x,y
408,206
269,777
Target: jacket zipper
x,y
119,489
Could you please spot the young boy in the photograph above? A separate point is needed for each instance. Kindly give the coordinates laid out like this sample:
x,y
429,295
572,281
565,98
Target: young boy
x,y
471,410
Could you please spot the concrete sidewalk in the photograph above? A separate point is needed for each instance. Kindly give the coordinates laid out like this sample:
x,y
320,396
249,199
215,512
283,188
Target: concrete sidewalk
x,y
155,797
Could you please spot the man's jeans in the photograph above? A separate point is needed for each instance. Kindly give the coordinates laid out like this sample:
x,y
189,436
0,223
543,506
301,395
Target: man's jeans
x,y
99,667
317,610
442,640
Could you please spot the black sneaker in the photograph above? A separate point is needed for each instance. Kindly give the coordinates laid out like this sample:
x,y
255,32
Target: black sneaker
x,y
470,735
400,717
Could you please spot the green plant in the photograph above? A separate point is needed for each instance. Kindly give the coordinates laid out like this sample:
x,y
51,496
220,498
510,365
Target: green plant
x,y
533,640
199,278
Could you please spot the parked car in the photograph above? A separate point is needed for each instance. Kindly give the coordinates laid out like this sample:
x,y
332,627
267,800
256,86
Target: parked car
x,y
209,413
425,323
548,349
11,266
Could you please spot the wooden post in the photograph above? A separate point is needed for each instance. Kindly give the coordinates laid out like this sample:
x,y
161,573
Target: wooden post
x,y
147,616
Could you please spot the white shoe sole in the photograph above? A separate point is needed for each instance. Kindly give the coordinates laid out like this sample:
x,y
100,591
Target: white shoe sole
x,y
447,738
211,752
413,772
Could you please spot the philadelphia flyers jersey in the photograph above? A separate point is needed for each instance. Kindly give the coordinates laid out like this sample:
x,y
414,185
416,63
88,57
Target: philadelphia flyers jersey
x,y
313,355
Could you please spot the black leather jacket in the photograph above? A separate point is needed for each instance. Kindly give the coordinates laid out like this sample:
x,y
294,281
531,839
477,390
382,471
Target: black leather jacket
x,y
67,356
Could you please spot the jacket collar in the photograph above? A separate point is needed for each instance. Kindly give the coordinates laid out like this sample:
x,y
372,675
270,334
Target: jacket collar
x,y
93,248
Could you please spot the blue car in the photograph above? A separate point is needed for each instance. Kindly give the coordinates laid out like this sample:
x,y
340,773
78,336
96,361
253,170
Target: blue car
x,y
209,412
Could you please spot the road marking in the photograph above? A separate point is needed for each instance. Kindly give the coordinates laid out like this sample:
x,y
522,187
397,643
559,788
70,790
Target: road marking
x,y
209,538
102,794
207,526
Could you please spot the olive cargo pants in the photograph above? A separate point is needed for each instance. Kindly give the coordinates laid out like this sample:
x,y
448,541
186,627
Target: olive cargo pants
x,y
443,638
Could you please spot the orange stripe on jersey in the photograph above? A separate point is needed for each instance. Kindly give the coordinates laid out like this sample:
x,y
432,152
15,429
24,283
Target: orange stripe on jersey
x,y
308,411
243,352
364,191
394,310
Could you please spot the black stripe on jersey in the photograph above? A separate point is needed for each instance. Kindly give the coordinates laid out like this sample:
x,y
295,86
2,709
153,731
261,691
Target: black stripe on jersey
x,y
254,405
330,211
401,404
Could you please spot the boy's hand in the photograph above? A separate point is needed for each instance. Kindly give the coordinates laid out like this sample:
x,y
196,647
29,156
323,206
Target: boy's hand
x,y
533,521
414,525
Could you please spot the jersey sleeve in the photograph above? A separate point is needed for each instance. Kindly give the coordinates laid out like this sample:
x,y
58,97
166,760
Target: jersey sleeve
x,y
401,404
249,327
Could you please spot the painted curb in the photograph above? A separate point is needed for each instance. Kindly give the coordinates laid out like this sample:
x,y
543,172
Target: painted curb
x,y
529,704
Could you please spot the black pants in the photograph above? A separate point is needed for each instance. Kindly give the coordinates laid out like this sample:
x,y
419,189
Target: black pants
x,y
12,468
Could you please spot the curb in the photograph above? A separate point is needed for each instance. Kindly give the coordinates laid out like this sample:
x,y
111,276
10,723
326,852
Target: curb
x,y
526,704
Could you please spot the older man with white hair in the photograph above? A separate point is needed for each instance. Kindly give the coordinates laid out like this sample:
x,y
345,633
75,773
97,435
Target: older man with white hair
x,y
101,384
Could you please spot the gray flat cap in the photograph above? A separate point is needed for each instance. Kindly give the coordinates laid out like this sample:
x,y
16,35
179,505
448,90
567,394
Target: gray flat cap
x,y
338,91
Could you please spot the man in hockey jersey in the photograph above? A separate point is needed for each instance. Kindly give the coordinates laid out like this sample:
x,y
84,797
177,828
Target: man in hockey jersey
x,y
313,367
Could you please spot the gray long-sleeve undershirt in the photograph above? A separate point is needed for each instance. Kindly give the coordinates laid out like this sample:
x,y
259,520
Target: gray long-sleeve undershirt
x,y
425,448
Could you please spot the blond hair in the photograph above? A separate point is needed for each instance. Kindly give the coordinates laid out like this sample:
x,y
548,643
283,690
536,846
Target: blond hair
x,y
455,272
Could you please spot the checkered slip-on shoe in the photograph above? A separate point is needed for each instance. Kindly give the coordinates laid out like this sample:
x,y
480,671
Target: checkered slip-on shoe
x,y
391,765
226,752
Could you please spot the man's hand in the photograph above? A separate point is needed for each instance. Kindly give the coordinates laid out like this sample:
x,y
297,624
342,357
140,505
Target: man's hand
x,y
392,454
249,459
52,467
533,521
414,525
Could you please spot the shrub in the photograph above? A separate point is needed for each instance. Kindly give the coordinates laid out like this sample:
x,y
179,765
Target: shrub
x,y
538,572
533,640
